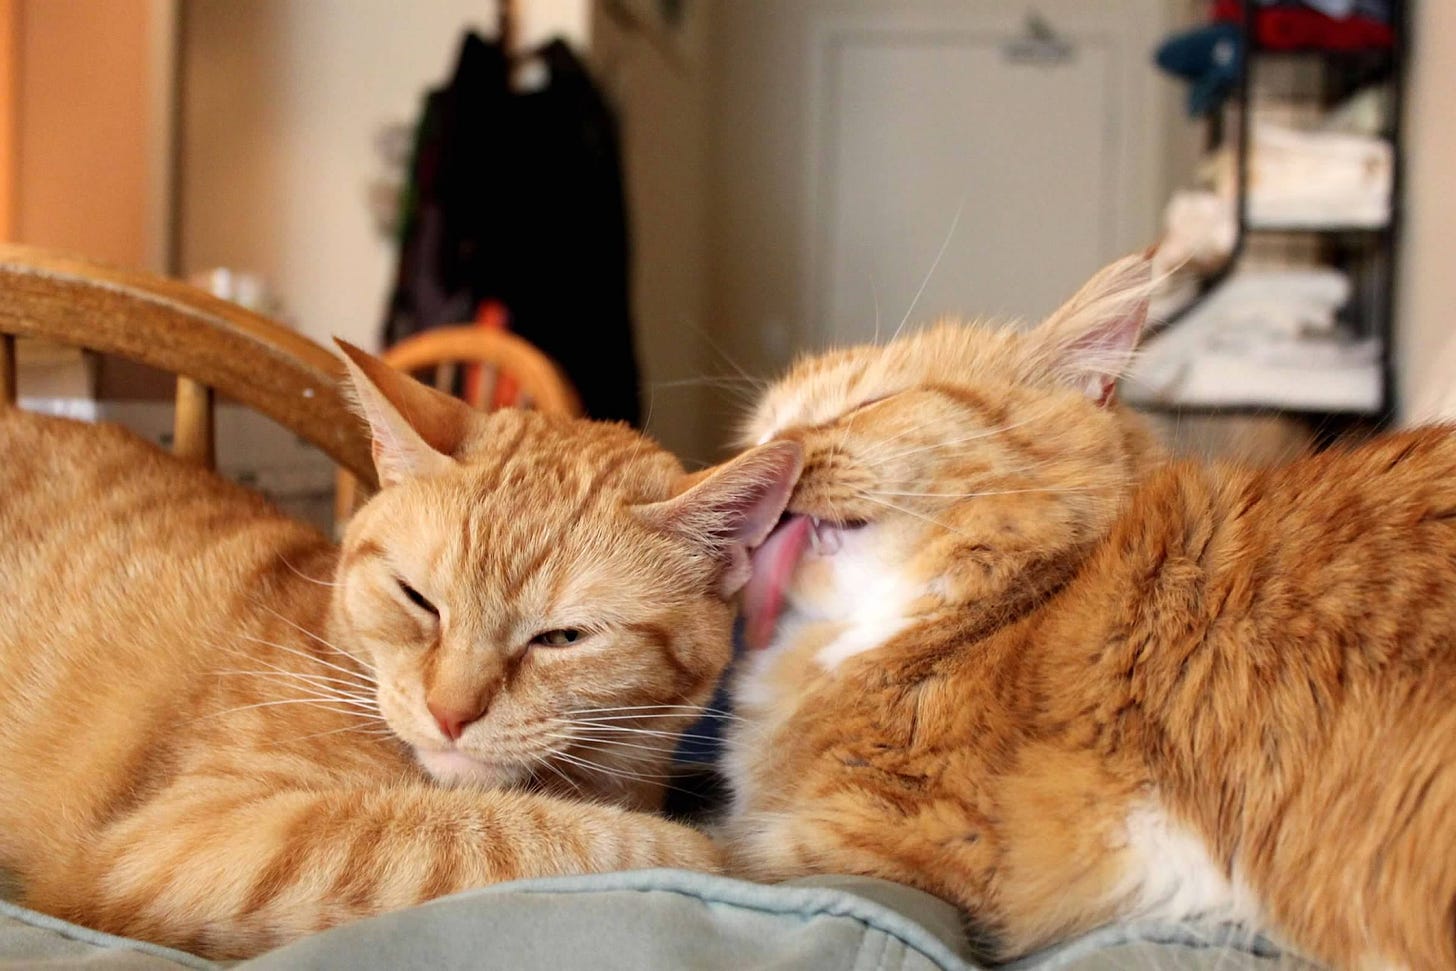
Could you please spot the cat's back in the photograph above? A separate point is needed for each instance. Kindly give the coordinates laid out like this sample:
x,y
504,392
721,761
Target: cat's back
x,y
1384,481
55,471
80,503
121,569
1355,544
1393,496
1375,521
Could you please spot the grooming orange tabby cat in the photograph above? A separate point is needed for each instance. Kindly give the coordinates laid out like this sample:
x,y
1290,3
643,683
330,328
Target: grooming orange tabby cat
x,y
1008,654
221,732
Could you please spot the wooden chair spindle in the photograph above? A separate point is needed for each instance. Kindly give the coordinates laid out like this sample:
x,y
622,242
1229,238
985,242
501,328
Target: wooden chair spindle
x,y
9,389
192,423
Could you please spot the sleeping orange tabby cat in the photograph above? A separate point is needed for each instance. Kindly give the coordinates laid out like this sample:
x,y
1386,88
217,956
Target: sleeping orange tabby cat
x,y
221,732
1009,655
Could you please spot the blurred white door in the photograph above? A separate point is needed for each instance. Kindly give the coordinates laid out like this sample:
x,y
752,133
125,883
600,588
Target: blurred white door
x,y
849,137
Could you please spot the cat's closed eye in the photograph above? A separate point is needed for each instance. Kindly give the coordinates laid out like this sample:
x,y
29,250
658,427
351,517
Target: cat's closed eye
x,y
418,599
565,637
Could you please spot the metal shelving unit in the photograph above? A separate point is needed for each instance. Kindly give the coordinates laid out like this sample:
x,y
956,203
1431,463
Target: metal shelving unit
x,y
1368,254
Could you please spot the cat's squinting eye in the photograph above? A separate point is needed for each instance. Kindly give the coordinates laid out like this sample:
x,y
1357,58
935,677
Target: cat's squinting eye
x,y
564,637
418,599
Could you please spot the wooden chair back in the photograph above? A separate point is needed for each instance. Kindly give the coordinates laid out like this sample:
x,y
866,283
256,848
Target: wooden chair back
x,y
216,347
213,346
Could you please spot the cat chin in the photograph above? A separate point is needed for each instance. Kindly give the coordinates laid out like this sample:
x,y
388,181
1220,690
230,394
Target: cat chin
x,y
458,769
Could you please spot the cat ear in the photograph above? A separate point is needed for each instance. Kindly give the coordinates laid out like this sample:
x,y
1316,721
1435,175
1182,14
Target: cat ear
x,y
417,430
730,508
1091,338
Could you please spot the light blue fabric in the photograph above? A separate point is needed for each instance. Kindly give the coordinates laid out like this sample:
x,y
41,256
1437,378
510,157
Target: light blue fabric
x,y
32,940
1162,947
652,919
643,920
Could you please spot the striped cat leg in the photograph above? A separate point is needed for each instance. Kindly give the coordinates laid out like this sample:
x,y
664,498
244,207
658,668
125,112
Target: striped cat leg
x,y
236,870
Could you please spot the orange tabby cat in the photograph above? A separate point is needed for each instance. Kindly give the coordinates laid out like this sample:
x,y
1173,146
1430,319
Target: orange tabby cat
x,y
1009,656
221,732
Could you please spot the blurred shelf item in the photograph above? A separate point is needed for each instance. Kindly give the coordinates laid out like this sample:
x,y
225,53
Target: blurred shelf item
x,y
1324,27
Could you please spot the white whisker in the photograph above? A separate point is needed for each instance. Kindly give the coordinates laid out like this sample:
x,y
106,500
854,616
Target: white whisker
x,y
693,708
305,576
926,282
909,431
989,433
629,730
591,766
875,296
724,381
308,633
910,512
322,679
303,681
323,703
311,657
608,745
693,712
980,495
358,729
545,761
882,457
628,719
760,383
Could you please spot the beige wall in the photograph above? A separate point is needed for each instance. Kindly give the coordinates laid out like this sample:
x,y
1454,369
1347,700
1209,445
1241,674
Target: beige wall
x,y
92,127
281,104
656,78
1426,298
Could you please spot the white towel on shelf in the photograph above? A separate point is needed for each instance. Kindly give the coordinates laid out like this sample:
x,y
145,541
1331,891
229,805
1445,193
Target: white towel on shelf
x,y
1309,178
1223,381
1262,339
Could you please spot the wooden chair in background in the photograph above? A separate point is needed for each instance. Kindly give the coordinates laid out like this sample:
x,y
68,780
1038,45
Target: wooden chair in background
x,y
213,346
217,347
499,370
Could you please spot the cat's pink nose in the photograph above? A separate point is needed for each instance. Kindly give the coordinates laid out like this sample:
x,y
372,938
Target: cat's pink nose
x,y
452,721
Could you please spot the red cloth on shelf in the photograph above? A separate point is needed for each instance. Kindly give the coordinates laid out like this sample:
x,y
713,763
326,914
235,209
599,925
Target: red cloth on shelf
x,y
1297,27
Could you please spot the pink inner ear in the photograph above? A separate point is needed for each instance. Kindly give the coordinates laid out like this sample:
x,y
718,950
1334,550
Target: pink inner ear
x,y
1094,333
753,519
1102,353
754,508
732,506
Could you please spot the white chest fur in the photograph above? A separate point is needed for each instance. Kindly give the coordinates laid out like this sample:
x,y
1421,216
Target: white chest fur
x,y
848,592
854,588
1171,876
874,604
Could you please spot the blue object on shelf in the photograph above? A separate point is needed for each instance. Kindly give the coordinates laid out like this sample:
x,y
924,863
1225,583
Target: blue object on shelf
x,y
1208,58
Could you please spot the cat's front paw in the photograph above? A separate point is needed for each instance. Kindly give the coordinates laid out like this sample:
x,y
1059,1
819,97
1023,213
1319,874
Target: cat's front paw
x,y
762,848
662,843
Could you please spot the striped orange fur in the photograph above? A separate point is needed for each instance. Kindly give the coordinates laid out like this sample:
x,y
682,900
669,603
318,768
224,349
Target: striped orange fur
x,y
221,732
1035,668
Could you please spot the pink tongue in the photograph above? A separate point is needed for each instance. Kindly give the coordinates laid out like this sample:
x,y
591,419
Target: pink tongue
x,y
773,564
